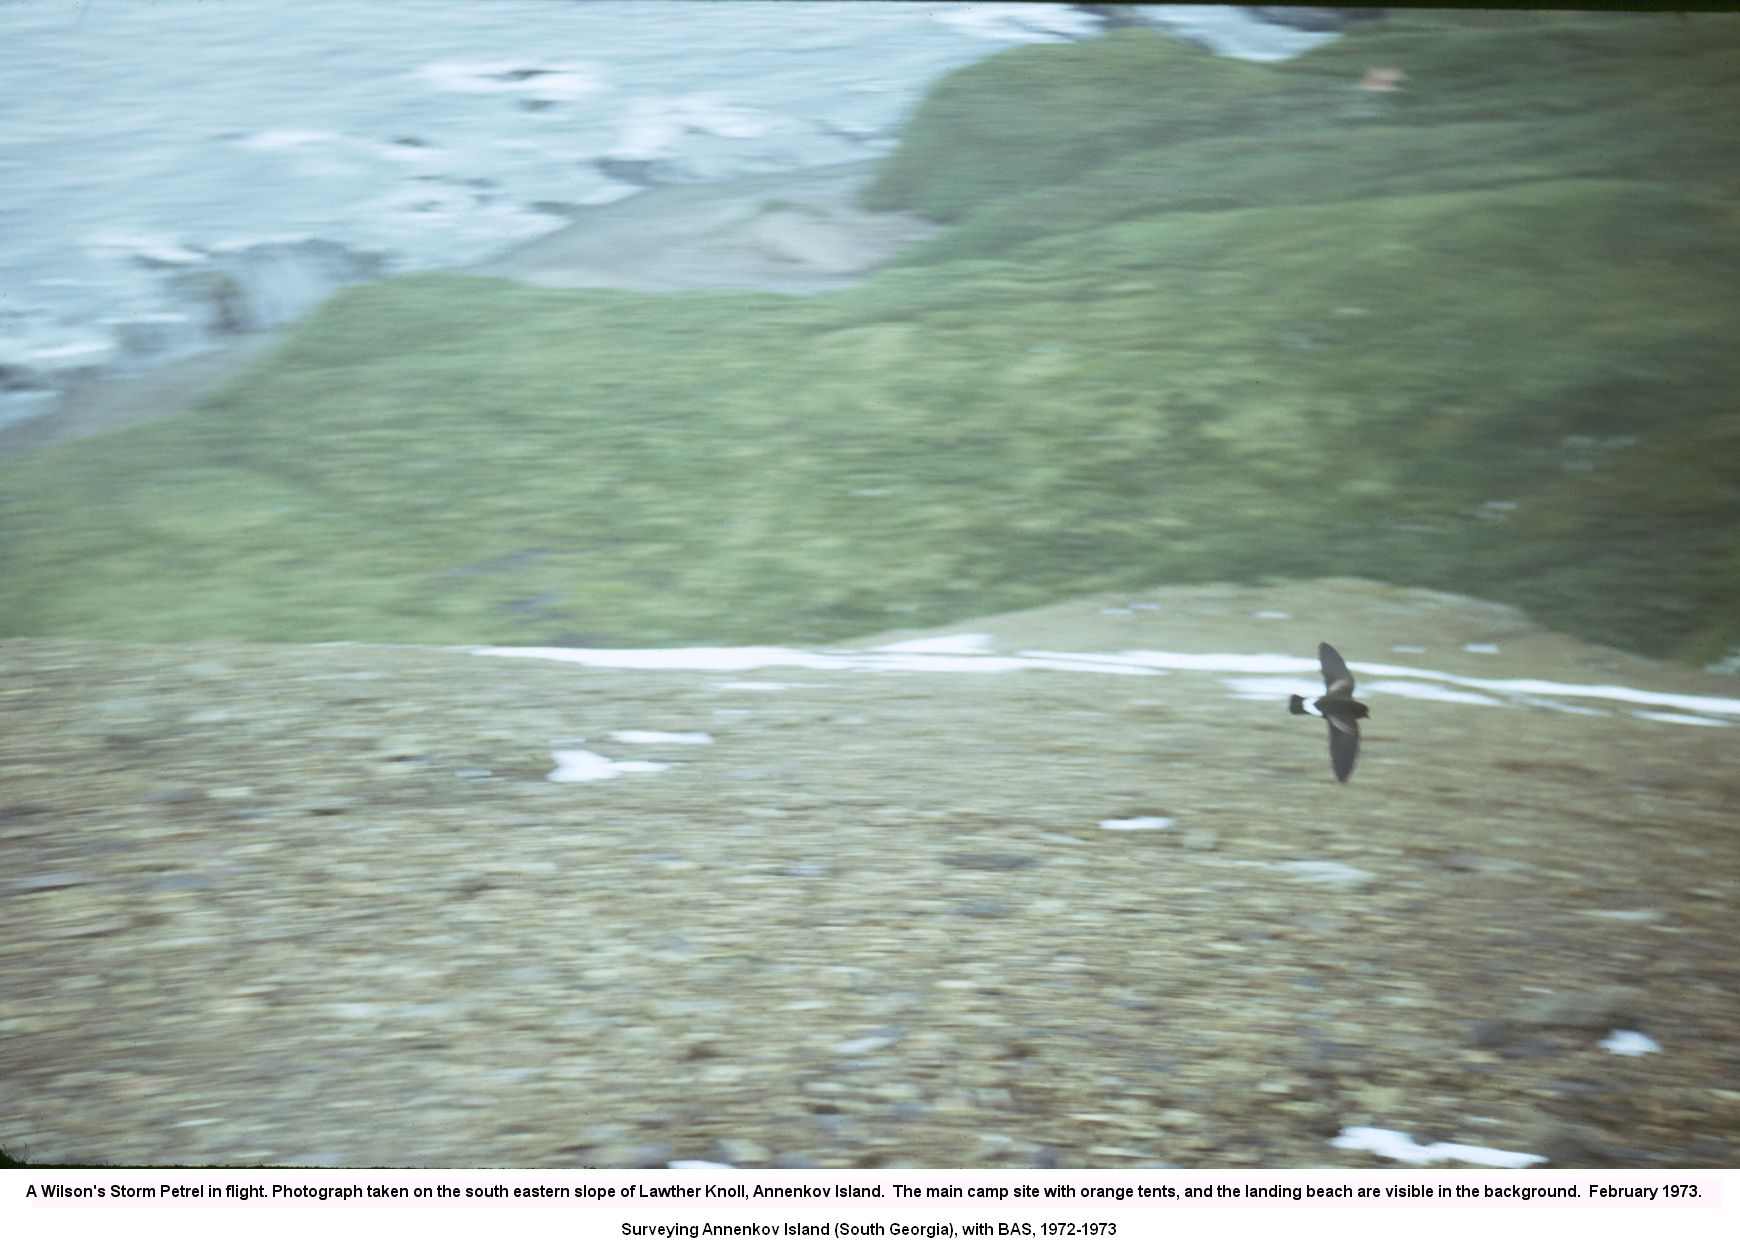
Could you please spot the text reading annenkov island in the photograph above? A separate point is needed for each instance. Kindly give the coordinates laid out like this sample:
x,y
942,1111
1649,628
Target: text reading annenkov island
x,y
746,1191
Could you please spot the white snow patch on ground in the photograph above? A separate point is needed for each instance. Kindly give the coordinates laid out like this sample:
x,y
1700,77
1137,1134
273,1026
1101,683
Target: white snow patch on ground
x,y
1165,660
691,658
1629,1042
1388,1143
635,737
1664,716
1254,676
750,658
1136,824
953,643
582,766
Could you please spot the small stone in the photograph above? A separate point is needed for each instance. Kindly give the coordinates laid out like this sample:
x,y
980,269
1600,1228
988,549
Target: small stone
x,y
899,1091
703,1046
1327,874
1381,1100
740,1151
1564,1144
990,860
879,1040
625,1155
1490,1034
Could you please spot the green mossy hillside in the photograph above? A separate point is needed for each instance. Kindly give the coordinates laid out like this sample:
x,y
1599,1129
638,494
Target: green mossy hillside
x,y
1193,320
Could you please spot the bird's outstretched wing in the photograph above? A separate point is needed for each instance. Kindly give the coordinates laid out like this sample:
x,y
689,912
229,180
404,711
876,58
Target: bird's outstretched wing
x,y
1343,746
1337,680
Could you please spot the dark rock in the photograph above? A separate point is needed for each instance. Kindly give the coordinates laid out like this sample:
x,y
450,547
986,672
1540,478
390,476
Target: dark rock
x,y
326,808
18,379
1530,1048
46,882
990,860
155,335
1490,1034
264,285
174,796
644,172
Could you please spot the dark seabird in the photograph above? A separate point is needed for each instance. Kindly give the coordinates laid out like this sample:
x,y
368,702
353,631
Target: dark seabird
x,y
1338,709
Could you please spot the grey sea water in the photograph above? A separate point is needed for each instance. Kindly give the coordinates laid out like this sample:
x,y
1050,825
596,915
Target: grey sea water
x,y
179,170
137,139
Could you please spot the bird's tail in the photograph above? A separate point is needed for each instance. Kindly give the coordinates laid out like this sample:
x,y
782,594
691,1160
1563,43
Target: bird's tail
x,y
1296,705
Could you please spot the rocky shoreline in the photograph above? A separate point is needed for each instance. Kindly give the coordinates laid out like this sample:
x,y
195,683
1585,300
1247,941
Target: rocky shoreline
x,y
794,233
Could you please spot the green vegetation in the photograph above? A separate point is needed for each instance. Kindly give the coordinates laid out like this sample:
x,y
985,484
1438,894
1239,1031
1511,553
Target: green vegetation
x,y
1194,320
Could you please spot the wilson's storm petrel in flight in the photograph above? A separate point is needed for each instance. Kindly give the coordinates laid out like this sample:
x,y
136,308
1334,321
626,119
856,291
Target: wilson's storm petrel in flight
x,y
1338,709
